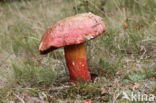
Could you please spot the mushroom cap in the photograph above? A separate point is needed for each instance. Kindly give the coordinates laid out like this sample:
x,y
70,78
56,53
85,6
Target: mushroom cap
x,y
71,31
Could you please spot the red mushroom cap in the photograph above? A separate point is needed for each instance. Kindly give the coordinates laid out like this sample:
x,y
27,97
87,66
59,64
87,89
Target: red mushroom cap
x,y
70,31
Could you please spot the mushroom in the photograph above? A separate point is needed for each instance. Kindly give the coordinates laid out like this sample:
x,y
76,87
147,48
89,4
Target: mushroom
x,y
71,33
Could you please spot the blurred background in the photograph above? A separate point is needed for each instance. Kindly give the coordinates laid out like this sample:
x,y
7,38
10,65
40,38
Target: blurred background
x,y
123,58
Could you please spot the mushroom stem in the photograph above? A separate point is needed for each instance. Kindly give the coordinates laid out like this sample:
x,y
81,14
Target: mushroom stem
x,y
76,60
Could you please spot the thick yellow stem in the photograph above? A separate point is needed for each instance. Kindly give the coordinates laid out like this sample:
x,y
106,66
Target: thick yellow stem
x,y
76,61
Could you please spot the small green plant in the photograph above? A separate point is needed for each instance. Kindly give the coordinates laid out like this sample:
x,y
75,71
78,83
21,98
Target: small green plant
x,y
107,66
139,75
85,91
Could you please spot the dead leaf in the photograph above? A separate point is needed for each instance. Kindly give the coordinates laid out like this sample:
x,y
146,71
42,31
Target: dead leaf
x,y
88,101
125,25
106,34
153,78
135,86
139,26
142,48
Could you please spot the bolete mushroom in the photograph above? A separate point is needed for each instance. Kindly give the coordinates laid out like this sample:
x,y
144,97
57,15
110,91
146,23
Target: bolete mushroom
x,y
71,33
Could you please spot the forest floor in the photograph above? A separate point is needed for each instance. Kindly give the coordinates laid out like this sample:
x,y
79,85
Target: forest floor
x,y
123,58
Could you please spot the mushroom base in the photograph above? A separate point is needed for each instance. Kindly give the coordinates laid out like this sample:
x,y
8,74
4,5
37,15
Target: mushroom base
x,y
76,61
